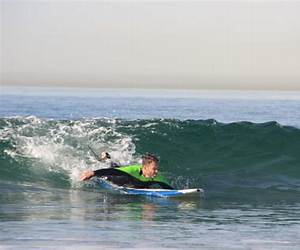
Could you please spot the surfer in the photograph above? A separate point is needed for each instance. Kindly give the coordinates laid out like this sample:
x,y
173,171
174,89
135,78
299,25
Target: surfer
x,y
105,157
135,176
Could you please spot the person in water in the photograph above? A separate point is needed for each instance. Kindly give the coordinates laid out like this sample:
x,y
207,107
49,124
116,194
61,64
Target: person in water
x,y
136,176
105,157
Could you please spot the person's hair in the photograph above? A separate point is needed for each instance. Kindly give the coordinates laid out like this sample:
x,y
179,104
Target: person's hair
x,y
148,158
107,155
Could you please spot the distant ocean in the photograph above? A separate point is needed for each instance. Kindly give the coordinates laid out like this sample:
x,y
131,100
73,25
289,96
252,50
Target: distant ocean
x,y
241,147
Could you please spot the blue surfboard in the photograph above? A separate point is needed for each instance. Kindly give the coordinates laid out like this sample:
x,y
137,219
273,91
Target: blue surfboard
x,y
150,192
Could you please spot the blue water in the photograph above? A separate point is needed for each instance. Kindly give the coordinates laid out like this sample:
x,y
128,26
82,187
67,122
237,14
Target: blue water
x,y
241,147
223,106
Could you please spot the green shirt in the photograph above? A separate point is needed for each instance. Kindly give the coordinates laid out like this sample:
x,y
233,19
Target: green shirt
x,y
136,171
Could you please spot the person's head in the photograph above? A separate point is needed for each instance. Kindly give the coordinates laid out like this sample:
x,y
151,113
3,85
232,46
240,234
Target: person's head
x,y
104,156
150,165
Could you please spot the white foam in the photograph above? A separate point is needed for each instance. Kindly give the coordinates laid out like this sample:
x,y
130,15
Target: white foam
x,y
62,146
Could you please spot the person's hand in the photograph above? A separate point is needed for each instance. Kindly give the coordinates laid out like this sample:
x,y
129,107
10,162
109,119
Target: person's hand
x,y
87,175
103,156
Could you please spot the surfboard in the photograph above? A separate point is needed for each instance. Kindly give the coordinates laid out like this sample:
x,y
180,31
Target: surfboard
x,y
150,192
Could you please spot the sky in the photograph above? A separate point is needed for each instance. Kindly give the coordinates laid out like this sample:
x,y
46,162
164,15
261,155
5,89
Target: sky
x,y
251,45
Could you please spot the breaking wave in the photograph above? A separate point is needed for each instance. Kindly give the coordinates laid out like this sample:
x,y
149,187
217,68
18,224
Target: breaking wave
x,y
194,153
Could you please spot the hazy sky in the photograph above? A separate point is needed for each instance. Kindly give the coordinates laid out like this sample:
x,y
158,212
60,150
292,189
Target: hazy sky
x,y
199,44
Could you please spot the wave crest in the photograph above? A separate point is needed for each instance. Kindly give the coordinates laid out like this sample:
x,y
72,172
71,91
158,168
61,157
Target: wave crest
x,y
193,153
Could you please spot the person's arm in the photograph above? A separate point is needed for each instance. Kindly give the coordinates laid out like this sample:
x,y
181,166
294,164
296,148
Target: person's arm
x,y
114,164
86,175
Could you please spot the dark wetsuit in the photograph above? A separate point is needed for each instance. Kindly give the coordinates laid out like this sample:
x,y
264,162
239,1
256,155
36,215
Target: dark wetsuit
x,y
122,178
114,164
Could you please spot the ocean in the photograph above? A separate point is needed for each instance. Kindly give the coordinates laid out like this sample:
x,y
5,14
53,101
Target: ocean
x,y
241,147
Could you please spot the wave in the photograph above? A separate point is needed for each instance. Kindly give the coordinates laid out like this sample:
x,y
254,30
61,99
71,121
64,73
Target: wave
x,y
217,156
